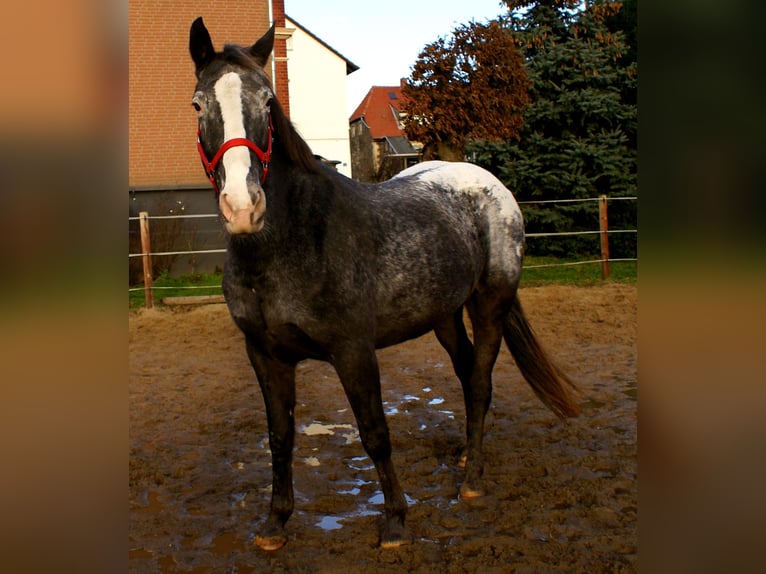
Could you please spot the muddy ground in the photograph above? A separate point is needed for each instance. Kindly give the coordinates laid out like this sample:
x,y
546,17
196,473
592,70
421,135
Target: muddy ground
x,y
561,497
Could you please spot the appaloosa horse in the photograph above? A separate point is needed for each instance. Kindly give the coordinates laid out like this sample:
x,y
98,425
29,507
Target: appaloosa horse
x,y
320,266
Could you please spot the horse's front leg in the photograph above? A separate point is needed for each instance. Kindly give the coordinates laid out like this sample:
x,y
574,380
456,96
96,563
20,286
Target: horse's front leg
x,y
357,368
277,381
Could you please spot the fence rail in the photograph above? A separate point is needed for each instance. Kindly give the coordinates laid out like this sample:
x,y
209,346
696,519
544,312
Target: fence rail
x,y
186,216
587,199
603,231
563,233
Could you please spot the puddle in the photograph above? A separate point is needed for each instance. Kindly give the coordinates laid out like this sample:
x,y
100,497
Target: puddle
x,y
390,409
361,463
354,486
334,522
378,498
330,523
354,491
317,428
368,505
402,403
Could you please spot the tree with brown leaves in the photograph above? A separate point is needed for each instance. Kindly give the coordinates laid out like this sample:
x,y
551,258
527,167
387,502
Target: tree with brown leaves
x,y
470,86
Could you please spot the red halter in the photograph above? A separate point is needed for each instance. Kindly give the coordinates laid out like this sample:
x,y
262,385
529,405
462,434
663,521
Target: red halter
x,y
210,166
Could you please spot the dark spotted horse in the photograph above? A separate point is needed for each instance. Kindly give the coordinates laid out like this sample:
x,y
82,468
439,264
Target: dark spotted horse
x,y
320,266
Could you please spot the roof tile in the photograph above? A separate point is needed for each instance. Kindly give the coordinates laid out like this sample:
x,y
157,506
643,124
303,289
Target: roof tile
x,y
380,109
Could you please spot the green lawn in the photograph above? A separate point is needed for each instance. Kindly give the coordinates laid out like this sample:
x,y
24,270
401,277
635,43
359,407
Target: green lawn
x,y
183,286
585,274
581,274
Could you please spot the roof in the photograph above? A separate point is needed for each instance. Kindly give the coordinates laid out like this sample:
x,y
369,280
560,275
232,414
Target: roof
x,y
350,66
401,146
380,110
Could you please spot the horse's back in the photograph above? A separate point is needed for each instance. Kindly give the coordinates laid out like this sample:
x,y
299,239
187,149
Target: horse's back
x,y
446,230
468,187
471,182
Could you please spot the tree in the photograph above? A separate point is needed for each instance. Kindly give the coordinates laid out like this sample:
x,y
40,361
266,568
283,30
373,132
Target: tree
x,y
626,21
579,133
470,86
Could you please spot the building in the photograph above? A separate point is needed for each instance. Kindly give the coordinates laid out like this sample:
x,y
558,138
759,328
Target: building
x,y
317,76
165,175
379,147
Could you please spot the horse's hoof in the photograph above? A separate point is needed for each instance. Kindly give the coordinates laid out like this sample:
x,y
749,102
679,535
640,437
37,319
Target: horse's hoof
x,y
270,543
466,492
394,536
389,544
395,541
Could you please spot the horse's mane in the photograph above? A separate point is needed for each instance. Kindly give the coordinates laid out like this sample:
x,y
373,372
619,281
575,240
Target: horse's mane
x,y
289,142
286,138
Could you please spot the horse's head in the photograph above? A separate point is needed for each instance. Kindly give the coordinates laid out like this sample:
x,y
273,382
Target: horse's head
x,y
232,100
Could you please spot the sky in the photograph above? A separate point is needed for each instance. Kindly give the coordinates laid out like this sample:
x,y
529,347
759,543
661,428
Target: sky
x,y
384,38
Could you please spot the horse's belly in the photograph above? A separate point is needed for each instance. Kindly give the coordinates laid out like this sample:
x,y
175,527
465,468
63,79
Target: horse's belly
x,y
429,281
398,331
417,312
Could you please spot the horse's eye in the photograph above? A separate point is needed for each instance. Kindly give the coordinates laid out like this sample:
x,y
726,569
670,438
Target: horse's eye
x,y
196,107
268,102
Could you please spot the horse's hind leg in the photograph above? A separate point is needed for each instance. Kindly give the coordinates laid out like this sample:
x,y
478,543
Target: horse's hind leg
x,y
487,335
277,381
357,368
453,337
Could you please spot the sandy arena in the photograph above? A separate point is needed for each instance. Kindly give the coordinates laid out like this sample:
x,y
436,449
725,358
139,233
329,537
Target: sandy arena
x,y
561,497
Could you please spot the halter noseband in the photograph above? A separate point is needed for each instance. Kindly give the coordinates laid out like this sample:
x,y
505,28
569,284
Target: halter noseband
x,y
211,165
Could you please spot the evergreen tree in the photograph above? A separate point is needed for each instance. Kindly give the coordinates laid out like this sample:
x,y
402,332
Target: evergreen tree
x,y
579,135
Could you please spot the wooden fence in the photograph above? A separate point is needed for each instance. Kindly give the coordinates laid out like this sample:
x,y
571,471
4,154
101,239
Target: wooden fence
x,y
603,232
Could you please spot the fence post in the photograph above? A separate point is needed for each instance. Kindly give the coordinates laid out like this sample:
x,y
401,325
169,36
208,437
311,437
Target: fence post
x,y
604,228
146,258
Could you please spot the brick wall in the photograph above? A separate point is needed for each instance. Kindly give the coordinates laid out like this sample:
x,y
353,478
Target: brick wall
x,y
162,124
281,83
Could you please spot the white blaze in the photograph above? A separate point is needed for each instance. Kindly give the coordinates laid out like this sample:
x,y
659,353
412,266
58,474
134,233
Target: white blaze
x,y
236,160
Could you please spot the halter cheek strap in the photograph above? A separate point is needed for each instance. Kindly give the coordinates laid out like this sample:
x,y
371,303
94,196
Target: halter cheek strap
x,y
211,165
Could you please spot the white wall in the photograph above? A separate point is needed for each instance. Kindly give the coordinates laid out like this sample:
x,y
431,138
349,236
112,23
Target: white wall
x,y
317,79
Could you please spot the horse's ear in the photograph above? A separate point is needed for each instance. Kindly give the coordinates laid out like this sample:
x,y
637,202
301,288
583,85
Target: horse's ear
x,y
263,47
200,44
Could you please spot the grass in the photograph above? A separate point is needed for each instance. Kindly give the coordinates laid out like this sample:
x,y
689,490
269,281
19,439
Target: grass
x,y
585,274
182,286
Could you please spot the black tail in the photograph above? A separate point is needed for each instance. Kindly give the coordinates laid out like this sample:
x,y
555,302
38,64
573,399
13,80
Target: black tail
x,y
551,385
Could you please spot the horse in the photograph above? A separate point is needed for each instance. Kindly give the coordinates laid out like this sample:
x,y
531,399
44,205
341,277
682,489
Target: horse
x,y
320,266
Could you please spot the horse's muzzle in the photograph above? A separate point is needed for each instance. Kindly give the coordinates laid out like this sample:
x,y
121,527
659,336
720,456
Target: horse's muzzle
x,y
245,218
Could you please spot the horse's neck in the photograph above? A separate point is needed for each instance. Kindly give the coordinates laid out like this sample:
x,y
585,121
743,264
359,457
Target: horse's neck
x,y
289,191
